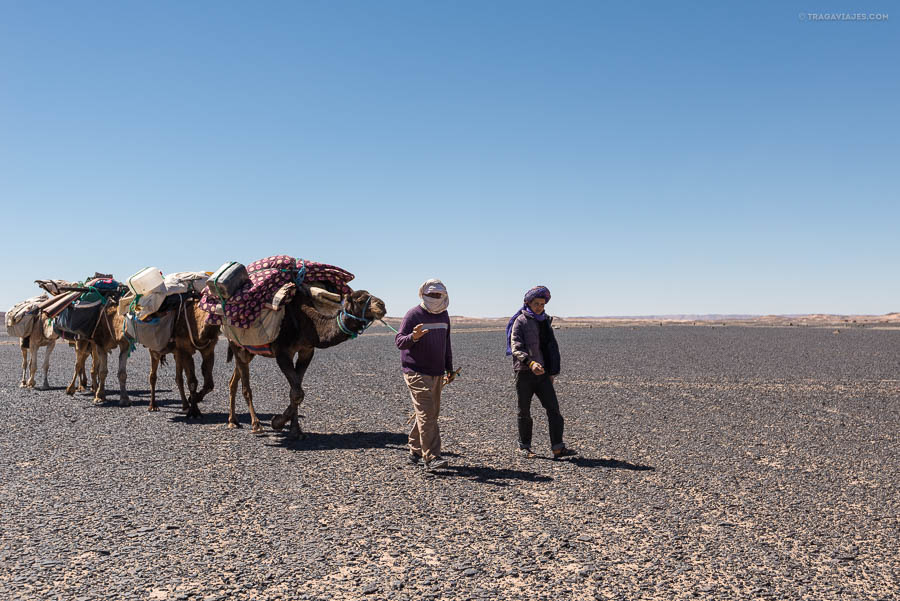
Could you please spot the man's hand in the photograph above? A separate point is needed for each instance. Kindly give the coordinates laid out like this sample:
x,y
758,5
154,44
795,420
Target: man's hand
x,y
537,368
418,332
451,375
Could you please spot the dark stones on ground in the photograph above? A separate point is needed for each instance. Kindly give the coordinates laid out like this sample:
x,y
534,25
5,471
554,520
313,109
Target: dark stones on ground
x,y
715,463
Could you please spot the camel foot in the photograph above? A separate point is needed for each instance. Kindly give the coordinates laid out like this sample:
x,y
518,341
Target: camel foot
x,y
29,385
233,425
152,408
22,385
296,434
278,423
44,386
257,428
99,400
125,402
70,391
79,389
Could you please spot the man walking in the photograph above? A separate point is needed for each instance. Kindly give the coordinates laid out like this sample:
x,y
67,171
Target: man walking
x,y
426,356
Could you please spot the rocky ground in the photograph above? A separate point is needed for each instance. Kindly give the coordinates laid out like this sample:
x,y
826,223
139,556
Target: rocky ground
x,y
717,463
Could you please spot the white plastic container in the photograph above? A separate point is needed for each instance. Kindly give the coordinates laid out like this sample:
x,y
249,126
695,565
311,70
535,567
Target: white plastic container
x,y
146,280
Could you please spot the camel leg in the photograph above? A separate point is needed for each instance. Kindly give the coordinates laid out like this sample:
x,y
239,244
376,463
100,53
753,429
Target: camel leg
x,y
34,345
23,345
99,369
232,392
46,367
179,380
294,374
154,367
207,361
188,363
124,401
80,359
83,372
244,368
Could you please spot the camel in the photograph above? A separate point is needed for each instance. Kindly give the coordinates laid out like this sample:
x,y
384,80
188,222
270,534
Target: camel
x,y
191,332
108,335
304,329
39,335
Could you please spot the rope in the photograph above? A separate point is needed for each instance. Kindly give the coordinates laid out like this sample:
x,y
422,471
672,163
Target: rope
x,y
389,326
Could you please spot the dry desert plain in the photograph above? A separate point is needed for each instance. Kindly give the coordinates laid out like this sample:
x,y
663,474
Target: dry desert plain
x,y
716,463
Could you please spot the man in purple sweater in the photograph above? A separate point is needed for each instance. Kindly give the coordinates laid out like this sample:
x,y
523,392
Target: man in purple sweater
x,y
426,356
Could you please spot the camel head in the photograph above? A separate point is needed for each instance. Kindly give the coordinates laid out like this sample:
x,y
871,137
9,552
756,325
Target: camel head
x,y
363,304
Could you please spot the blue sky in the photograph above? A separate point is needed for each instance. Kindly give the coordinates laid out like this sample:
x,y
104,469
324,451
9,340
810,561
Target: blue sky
x,y
637,158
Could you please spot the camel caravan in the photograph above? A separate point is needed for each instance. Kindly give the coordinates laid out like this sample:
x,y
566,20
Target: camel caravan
x,y
279,307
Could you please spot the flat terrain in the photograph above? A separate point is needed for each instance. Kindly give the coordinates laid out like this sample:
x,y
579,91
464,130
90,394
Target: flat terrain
x,y
717,463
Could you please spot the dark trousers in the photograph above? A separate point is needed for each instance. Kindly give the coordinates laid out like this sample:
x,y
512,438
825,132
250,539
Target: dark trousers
x,y
528,385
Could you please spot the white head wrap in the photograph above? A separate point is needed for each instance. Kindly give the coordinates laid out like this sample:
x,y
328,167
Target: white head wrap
x,y
434,305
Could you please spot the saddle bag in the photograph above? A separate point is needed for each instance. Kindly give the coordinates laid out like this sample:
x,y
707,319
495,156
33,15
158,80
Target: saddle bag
x,y
79,320
227,280
155,333
267,327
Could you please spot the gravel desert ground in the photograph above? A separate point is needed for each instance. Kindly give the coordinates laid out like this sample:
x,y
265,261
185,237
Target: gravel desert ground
x,y
716,463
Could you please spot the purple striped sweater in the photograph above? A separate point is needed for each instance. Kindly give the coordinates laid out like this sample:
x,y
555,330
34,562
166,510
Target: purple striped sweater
x,y
432,354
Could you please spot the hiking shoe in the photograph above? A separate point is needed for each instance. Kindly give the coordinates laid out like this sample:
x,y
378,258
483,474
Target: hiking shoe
x,y
413,458
527,453
436,464
563,452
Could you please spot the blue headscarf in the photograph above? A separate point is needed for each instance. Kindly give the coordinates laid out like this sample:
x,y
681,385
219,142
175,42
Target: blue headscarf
x,y
536,292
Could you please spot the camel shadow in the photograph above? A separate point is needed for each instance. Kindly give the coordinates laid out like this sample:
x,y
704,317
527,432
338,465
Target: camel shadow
x,y
207,418
313,441
489,475
612,464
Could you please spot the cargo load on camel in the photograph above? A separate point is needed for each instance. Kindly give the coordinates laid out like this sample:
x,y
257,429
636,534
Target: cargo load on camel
x,y
153,304
21,317
78,318
249,302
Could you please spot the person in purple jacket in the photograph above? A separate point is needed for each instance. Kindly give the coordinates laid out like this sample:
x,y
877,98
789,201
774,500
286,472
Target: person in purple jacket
x,y
427,361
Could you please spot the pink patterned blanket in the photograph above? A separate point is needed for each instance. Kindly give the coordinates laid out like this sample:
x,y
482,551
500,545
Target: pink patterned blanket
x,y
267,276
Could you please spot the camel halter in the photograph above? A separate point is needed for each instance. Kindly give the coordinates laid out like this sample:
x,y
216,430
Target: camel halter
x,y
344,315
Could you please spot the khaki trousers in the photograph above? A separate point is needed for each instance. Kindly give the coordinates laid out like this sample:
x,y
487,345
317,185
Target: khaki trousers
x,y
425,438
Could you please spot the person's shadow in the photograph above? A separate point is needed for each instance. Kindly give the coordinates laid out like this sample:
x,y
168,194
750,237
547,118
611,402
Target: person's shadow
x,y
489,475
612,464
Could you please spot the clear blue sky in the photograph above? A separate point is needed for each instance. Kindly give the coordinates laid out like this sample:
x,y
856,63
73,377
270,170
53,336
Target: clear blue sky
x,y
638,158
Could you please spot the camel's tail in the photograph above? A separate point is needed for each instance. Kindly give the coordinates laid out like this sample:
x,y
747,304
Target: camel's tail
x,y
229,354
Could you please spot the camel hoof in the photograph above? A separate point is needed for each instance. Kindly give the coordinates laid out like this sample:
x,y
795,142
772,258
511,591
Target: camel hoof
x,y
257,429
22,385
70,392
124,403
79,389
152,408
278,422
233,425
